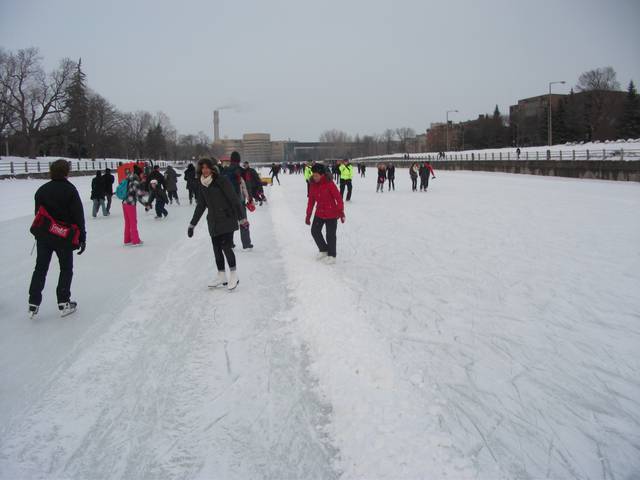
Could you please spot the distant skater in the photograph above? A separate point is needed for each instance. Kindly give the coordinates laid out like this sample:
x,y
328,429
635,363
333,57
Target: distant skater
x,y
391,176
109,180
382,177
275,171
98,195
329,207
190,179
425,171
171,178
414,172
346,177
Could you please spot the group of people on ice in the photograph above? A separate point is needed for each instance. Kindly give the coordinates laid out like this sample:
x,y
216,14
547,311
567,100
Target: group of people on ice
x,y
226,192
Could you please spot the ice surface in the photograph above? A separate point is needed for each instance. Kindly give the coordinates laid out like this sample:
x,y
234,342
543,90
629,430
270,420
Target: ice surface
x,y
489,328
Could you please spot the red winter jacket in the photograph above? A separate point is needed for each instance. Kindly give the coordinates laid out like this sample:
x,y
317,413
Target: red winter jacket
x,y
327,197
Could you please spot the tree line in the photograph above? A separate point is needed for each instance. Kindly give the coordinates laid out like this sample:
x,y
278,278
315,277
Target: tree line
x,y
56,114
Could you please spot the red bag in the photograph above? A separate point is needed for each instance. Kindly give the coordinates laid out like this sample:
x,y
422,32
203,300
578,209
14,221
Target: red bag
x,y
251,207
44,226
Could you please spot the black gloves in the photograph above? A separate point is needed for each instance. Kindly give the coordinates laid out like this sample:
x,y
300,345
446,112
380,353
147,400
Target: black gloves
x,y
190,231
83,247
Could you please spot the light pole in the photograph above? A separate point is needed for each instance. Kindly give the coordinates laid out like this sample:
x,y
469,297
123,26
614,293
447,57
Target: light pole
x,y
447,129
549,121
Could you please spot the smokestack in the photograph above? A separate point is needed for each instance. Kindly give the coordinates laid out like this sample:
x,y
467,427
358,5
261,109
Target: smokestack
x,y
216,126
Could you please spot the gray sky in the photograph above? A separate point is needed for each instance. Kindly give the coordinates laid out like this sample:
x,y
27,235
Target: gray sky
x,y
297,67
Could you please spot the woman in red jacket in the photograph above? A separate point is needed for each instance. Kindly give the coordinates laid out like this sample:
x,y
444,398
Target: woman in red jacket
x,y
325,196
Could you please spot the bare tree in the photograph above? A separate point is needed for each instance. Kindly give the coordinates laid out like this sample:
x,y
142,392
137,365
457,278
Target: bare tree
x,y
136,126
388,135
335,136
598,79
32,96
404,134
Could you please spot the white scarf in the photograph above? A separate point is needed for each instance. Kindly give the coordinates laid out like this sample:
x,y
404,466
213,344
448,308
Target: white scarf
x,y
206,181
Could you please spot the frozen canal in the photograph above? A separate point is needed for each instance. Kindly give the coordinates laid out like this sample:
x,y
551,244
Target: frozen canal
x,y
489,328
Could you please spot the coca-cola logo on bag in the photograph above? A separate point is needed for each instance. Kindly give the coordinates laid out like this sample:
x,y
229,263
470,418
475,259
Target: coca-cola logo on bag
x,y
59,230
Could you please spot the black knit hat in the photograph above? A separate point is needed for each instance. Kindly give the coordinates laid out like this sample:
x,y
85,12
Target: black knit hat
x,y
235,157
318,168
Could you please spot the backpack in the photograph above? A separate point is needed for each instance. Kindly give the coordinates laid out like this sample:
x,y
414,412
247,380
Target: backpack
x,y
122,192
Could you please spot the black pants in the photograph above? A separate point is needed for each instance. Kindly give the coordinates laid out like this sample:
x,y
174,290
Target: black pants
x,y
275,175
414,183
109,202
329,245
160,210
392,183
173,194
65,257
349,187
192,195
424,182
222,247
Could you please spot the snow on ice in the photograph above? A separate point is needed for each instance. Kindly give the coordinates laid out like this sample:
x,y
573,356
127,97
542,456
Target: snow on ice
x,y
489,328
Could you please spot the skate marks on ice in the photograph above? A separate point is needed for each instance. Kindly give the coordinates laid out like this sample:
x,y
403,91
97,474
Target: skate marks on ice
x,y
381,426
522,327
185,383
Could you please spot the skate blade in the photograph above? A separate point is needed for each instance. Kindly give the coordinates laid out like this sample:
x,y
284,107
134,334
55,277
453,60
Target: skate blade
x,y
234,287
215,287
66,314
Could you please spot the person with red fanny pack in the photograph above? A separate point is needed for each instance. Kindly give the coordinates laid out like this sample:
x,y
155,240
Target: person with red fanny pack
x,y
58,227
326,198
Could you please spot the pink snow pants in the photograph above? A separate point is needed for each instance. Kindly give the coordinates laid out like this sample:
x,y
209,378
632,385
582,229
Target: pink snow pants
x,y
130,224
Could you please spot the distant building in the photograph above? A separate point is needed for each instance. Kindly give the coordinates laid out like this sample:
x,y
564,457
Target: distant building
x,y
436,137
231,144
256,147
582,116
278,151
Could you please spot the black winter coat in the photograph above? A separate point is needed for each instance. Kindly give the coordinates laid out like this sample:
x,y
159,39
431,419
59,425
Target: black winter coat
x,y
61,199
171,177
98,189
222,203
108,183
391,172
190,178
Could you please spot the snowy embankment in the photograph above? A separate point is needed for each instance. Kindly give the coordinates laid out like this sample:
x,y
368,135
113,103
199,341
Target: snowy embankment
x,y
486,329
610,150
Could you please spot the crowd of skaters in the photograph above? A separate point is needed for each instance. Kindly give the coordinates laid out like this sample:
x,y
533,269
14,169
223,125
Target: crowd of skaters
x,y
226,191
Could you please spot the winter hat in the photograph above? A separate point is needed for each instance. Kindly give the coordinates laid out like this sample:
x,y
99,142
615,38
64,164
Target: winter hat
x,y
154,182
318,168
235,157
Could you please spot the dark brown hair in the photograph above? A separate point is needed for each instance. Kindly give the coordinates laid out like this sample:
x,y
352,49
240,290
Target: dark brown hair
x,y
59,170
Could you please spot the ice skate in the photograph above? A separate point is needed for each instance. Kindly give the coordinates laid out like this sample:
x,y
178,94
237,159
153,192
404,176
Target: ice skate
x,y
219,281
67,308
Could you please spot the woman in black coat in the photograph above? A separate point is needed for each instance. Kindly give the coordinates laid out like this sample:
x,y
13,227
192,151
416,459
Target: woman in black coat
x,y
190,178
216,195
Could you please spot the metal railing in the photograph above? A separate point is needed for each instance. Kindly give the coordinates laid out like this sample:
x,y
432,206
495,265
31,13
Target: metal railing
x,y
12,167
618,154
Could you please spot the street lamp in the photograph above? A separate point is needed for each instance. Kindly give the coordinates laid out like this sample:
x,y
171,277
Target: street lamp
x,y
447,129
549,121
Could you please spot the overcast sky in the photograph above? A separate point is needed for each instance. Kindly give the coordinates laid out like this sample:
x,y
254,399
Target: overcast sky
x,y
295,68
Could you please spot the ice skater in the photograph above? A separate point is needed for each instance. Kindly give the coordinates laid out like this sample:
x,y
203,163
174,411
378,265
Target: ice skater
x,y
98,195
131,191
382,177
109,180
329,207
59,228
391,176
346,177
171,179
275,171
216,195
414,171
425,171
159,195
190,179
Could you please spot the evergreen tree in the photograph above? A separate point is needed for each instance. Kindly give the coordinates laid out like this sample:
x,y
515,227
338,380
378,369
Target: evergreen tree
x,y
156,143
630,122
77,107
559,123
